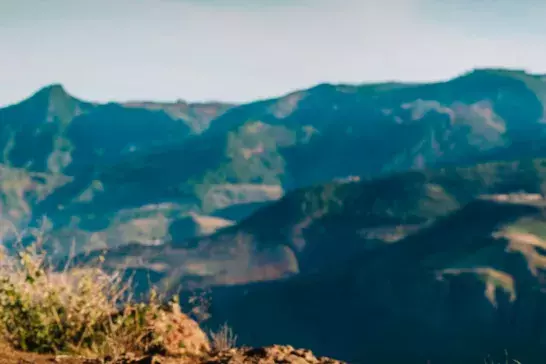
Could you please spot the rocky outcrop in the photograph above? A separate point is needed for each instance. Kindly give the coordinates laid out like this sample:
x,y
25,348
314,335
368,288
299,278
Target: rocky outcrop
x,y
284,354
166,331
269,355
179,335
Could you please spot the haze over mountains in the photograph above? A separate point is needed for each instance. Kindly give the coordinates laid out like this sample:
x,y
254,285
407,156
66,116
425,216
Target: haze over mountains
x,y
414,209
94,164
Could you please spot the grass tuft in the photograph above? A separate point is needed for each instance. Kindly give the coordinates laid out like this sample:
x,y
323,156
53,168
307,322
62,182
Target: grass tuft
x,y
223,339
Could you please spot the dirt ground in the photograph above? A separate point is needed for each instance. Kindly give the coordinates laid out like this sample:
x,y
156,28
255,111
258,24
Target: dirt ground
x,y
268,355
10,356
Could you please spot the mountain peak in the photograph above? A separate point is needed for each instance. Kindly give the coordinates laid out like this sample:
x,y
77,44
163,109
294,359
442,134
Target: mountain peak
x,y
56,102
55,90
51,94
54,86
497,72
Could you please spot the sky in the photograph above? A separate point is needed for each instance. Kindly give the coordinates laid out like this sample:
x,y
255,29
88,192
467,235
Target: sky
x,y
242,50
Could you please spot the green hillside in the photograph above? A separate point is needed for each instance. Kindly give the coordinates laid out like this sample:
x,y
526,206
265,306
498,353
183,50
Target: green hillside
x,y
225,160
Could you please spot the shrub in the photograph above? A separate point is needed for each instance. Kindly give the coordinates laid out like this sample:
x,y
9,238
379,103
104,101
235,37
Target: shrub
x,y
85,311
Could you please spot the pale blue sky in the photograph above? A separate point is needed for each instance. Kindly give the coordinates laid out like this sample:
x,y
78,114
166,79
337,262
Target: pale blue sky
x,y
239,50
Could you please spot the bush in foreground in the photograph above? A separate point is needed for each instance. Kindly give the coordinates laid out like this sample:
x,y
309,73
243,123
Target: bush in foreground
x,y
87,312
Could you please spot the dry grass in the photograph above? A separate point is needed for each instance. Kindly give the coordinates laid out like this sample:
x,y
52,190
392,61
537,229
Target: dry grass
x,y
223,339
77,311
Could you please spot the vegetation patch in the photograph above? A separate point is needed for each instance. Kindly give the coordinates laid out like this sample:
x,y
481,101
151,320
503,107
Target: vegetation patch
x,y
87,312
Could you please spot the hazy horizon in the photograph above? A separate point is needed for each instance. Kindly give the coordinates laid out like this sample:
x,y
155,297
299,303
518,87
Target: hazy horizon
x,y
243,50
84,98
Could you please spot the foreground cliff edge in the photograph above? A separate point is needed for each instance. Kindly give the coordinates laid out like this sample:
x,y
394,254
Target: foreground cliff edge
x,y
265,355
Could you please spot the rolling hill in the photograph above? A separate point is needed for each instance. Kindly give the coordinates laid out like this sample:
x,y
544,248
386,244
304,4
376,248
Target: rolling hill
x,y
316,228
469,286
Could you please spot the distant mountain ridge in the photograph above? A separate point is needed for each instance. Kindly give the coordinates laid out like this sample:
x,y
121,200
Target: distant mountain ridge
x,y
95,160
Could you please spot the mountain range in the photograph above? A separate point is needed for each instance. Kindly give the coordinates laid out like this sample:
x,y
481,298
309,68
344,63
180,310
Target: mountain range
x,y
110,171
343,218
